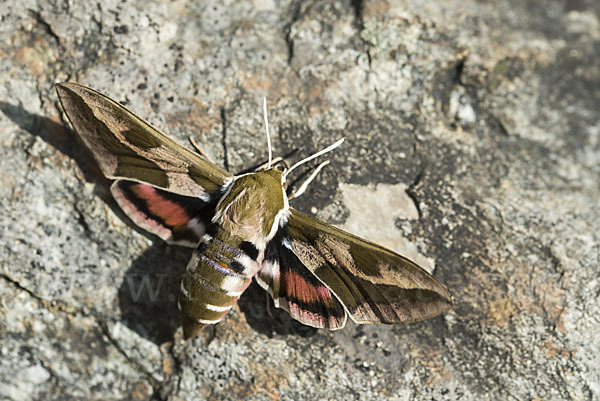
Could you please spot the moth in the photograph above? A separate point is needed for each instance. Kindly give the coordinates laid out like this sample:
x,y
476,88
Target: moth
x,y
242,227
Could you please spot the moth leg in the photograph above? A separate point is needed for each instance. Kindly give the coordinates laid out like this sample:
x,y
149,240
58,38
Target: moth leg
x,y
199,149
268,305
211,334
311,177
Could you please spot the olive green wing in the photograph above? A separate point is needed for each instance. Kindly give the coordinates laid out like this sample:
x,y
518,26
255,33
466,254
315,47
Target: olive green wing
x,y
374,284
127,147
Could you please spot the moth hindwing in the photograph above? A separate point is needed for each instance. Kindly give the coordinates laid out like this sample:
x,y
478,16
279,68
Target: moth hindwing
x,y
242,227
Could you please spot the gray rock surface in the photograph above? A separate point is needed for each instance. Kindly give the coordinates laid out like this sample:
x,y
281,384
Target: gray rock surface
x,y
472,127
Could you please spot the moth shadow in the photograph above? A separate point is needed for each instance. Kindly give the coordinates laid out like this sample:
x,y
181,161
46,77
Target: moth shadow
x,y
67,142
260,313
150,288
149,291
58,135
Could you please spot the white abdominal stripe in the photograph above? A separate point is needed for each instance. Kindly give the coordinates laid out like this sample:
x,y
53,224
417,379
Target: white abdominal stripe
x,y
204,321
214,308
217,308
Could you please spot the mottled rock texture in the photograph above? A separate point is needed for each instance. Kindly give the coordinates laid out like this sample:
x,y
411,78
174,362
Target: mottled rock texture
x,y
472,128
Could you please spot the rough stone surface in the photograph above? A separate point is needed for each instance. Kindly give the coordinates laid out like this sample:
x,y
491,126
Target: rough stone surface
x,y
481,117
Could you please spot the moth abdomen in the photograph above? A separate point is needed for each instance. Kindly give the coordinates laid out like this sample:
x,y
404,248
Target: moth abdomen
x,y
217,275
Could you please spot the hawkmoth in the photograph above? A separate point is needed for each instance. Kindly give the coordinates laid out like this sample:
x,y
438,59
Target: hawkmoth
x,y
242,227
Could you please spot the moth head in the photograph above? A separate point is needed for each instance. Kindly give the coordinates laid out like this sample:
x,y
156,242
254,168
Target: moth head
x,y
279,167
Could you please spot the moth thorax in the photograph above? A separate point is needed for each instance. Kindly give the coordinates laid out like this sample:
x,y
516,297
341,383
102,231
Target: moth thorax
x,y
251,207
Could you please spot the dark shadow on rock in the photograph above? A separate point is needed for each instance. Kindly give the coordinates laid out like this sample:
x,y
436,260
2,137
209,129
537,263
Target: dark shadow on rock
x,y
57,135
254,305
66,141
149,291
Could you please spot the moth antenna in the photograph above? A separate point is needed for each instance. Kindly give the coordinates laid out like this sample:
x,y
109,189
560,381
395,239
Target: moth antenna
x,y
309,158
267,130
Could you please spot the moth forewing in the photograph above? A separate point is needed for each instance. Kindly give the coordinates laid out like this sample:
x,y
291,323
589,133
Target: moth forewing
x,y
127,147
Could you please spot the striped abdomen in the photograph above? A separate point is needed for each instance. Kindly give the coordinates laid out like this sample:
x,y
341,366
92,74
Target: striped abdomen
x,y
216,276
